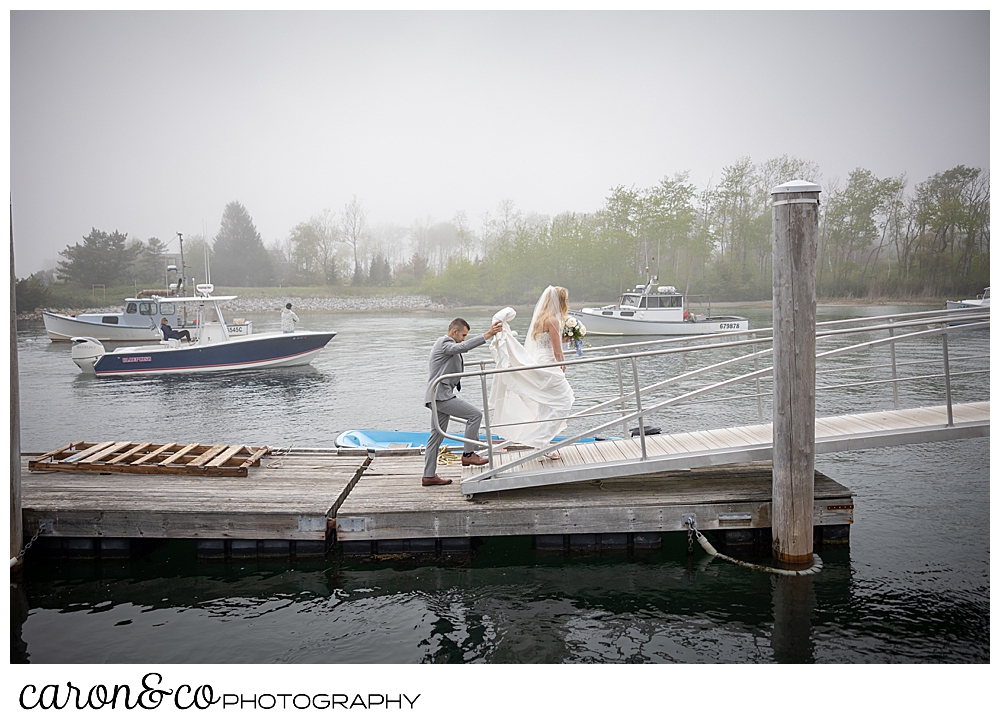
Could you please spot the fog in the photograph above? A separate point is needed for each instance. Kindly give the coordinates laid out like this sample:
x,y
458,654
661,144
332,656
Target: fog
x,y
150,123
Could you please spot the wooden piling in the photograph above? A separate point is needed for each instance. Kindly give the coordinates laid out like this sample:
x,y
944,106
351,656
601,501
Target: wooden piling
x,y
16,523
795,231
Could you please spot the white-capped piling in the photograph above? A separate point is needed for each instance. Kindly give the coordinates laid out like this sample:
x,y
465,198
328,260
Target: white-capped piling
x,y
795,232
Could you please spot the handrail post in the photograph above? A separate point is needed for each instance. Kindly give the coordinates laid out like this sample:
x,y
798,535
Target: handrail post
x,y
638,407
947,376
621,393
486,415
760,401
892,357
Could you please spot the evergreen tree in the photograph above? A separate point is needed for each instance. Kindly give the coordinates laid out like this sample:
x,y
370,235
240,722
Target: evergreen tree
x,y
30,294
239,256
150,266
103,258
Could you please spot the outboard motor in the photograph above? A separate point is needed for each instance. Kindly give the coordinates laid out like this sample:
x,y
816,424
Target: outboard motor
x,y
86,352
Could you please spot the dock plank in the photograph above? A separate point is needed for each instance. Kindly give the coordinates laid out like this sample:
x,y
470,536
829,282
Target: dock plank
x,y
286,502
390,504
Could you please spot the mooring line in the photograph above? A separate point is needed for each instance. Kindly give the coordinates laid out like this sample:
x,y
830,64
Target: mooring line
x,y
816,567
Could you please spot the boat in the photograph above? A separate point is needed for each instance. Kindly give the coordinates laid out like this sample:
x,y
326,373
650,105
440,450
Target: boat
x,y
979,303
651,309
983,300
401,439
139,321
212,349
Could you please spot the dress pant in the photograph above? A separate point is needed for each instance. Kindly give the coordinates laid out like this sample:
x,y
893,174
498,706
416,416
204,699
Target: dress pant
x,y
445,410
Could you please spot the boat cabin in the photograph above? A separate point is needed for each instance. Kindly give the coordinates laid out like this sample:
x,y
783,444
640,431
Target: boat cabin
x,y
667,302
645,297
139,313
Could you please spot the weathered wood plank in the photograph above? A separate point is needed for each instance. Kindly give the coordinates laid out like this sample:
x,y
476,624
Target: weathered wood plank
x,y
130,452
226,456
290,503
53,453
96,457
88,451
180,453
254,460
207,455
396,506
158,451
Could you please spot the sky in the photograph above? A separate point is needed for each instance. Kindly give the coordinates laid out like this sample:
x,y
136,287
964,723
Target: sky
x,y
149,123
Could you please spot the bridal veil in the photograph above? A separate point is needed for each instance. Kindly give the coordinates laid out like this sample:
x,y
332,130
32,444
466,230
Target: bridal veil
x,y
525,401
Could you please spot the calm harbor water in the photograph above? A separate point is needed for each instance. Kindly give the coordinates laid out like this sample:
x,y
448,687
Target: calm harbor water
x,y
912,587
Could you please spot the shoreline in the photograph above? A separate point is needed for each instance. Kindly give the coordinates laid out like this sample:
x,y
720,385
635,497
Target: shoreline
x,y
423,303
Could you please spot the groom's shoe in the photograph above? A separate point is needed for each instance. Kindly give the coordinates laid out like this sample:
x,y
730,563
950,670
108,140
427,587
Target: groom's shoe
x,y
436,480
473,459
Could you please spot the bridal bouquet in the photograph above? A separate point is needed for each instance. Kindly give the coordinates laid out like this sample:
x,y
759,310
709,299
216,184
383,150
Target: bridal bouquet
x,y
574,331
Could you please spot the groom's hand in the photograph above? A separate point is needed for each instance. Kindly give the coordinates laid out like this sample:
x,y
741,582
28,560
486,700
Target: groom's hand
x,y
497,328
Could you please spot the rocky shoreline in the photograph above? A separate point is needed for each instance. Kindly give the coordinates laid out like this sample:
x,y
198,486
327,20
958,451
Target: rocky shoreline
x,y
251,305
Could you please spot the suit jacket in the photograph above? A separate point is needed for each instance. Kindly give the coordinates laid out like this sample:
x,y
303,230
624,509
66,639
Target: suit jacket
x,y
446,358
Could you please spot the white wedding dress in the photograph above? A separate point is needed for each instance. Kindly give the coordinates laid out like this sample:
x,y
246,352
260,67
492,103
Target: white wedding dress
x,y
525,402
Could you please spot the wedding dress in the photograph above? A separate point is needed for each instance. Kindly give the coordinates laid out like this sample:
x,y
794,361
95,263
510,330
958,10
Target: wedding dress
x,y
524,402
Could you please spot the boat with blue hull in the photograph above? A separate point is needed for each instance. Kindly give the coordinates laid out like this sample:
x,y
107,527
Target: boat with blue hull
x,y
213,348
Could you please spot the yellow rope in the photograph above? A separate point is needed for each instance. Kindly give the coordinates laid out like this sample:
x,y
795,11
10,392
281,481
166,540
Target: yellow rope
x,y
446,457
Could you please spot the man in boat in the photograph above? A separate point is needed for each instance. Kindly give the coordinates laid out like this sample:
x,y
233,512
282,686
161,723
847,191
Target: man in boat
x,y
288,319
169,333
446,358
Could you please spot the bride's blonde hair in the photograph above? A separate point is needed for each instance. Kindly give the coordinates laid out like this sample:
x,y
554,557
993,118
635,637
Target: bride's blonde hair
x,y
554,302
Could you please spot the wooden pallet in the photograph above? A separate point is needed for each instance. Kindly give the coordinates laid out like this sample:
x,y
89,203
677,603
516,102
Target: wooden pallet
x,y
149,458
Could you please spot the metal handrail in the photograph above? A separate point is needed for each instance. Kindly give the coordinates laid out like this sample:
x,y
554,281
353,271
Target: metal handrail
x,y
640,412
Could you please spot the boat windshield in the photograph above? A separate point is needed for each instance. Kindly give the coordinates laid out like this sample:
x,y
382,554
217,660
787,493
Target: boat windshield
x,y
630,300
665,302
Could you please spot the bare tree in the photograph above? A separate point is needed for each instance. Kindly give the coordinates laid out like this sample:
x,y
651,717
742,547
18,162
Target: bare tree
x,y
352,229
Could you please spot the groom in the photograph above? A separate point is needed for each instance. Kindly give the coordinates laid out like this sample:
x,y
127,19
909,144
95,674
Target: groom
x,y
446,358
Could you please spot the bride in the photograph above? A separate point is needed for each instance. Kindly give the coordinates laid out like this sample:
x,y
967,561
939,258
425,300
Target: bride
x,y
526,403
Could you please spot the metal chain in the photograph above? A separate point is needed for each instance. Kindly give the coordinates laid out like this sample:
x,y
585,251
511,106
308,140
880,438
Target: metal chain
x,y
29,543
690,541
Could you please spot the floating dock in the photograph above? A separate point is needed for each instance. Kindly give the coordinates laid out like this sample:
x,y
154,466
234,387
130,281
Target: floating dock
x,y
302,502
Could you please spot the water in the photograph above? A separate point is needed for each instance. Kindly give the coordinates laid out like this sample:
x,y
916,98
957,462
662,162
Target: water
x,y
913,587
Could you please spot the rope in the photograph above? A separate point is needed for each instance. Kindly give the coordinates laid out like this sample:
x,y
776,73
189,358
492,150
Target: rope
x,y
447,457
278,453
816,567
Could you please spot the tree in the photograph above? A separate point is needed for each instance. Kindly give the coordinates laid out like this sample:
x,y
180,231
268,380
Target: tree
x,y
305,250
379,271
240,256
149,265
30,294
102,259
197,253
352,231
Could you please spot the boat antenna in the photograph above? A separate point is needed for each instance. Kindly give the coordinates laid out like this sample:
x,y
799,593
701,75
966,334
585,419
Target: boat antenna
x,y
183,286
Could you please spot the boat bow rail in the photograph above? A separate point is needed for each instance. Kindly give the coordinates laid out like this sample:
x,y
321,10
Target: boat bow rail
x,y
889,346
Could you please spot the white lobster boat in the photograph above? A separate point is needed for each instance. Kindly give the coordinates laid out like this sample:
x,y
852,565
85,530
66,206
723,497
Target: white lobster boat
x,y
655,310
138,322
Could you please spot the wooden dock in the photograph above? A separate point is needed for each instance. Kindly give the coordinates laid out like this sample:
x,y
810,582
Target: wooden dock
x,y
388,503
303,501
288,498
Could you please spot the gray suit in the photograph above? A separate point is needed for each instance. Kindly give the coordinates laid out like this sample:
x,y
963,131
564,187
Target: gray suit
x,y
446,358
